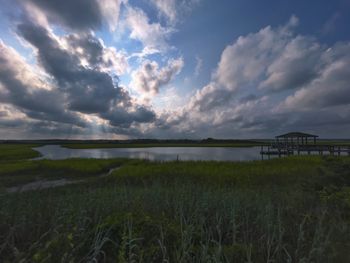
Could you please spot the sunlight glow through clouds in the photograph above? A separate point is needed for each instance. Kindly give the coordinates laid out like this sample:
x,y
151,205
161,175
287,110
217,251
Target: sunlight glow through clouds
x,y
120,69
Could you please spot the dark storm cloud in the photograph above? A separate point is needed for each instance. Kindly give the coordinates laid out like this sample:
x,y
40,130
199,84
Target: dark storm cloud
x,y
88,89
75,14
36,103
3,114
120,117
11,123
247,98
53,129
91,46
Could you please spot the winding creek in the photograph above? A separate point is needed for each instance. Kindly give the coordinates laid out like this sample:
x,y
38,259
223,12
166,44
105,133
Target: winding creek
x,y
44,184
56,152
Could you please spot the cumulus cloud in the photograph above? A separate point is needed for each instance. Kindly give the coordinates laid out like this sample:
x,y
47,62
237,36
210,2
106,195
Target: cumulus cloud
x,y
69,91
24,89
171,9
199,65
152,35
94,54
167,8
90,91
150,77
110,10
76,14
209,97
69,13
269,80
248,58
297,65
272,80
270,60
330,88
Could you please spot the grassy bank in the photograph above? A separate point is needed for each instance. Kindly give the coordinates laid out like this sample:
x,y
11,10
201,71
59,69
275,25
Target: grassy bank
x,y
17,173
9,152
285,210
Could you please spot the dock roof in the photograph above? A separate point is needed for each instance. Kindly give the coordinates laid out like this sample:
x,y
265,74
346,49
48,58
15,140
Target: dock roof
x,y
297,134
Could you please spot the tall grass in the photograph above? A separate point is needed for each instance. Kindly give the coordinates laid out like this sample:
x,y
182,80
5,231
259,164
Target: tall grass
x,y
20,172
9,152
288,210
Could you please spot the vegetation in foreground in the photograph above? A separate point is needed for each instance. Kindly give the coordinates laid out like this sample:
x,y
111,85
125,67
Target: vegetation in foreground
x,y
293,209
17,173
10,152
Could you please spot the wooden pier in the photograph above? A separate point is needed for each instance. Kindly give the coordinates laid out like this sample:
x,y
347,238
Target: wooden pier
x,y
280,150
296,143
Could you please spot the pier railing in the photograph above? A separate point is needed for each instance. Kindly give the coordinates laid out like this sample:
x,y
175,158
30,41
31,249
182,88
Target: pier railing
x,y
292,149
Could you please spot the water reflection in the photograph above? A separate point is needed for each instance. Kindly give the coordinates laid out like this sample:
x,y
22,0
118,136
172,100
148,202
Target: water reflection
x,y
56,152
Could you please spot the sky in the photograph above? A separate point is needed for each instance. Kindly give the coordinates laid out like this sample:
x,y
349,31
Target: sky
x,y
123,69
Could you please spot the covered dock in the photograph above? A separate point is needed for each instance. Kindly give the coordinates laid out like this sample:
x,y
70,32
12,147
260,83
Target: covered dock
x,y
296,138
301,143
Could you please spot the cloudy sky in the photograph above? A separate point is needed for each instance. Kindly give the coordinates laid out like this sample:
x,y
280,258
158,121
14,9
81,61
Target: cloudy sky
x,y
117,69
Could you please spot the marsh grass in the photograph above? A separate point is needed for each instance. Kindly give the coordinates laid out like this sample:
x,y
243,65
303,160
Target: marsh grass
x,y
14,173
287,210
9,152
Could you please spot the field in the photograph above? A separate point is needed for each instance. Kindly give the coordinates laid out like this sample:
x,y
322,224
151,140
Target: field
x,y
10,152
294,209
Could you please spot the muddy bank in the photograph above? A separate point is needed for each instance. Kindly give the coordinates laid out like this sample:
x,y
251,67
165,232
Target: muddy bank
x,y
44,184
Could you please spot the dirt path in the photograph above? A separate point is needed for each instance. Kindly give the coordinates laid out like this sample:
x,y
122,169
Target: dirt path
x,y
44,184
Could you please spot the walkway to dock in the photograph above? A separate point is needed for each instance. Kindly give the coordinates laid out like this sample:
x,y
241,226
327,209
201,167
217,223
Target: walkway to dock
x,y
292,143
281,149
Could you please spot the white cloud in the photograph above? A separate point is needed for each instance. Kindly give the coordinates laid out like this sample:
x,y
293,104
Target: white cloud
x,y
111,11
330,89
172,9
149,78
294,79
198,67
152,35
114,61
296,64
76,15
166,8
93,53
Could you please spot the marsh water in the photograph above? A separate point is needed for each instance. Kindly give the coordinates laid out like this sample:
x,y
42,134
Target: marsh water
x,y
56,152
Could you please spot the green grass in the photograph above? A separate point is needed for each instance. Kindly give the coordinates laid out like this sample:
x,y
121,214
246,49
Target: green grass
x,y
10,152
293,209
334,142
16,173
